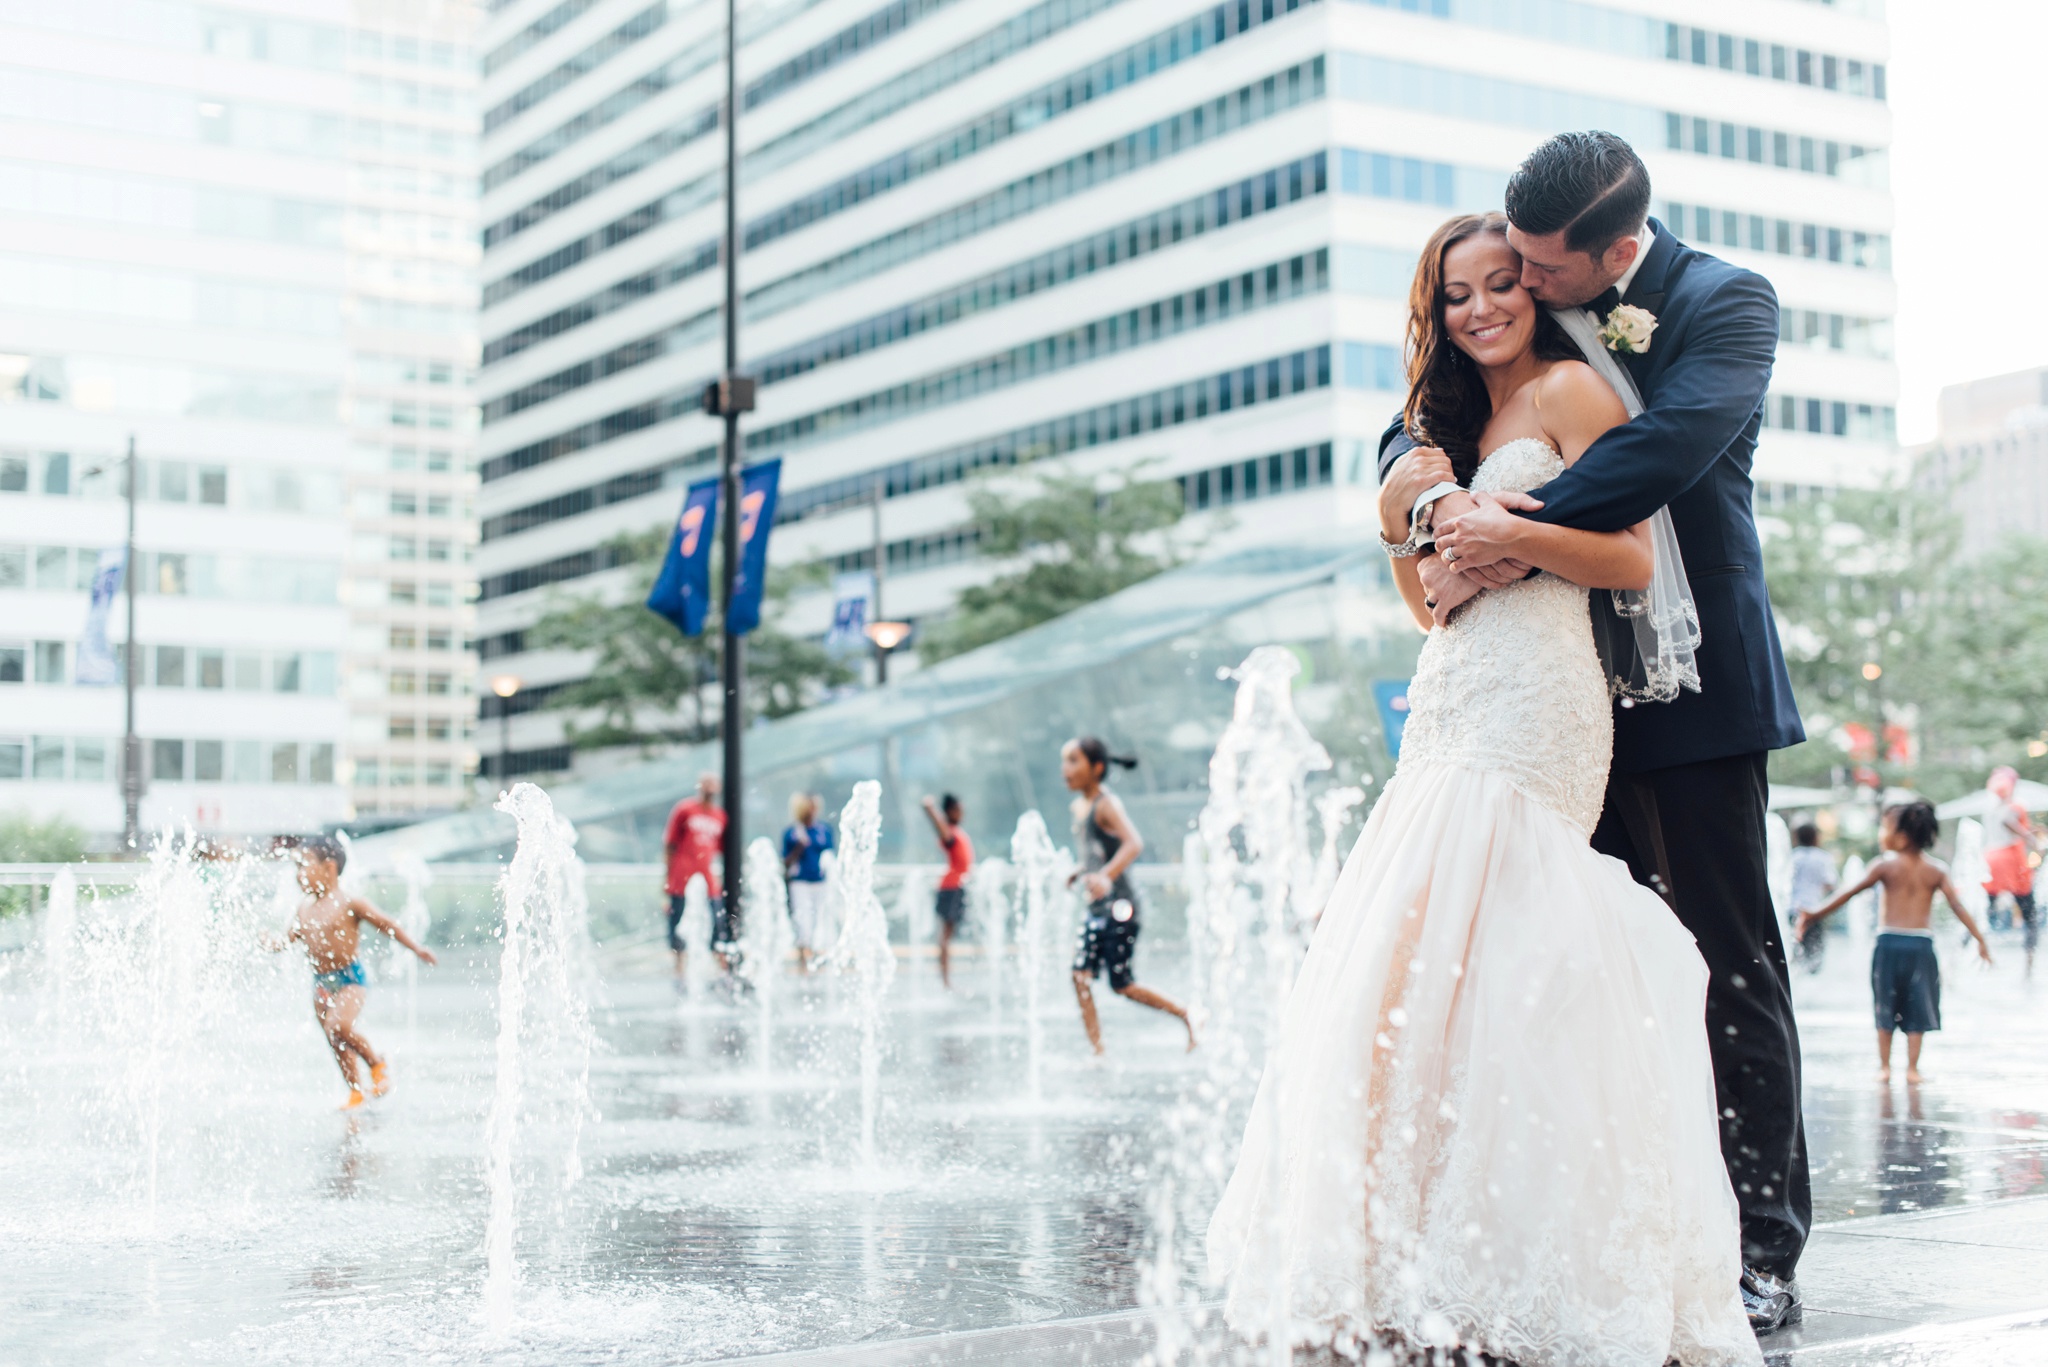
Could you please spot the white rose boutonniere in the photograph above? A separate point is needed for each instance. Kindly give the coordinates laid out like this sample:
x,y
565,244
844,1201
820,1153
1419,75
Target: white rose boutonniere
x,y
1628,329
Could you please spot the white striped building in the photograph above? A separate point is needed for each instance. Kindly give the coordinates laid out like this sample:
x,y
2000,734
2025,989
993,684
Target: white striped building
x,y
1095,231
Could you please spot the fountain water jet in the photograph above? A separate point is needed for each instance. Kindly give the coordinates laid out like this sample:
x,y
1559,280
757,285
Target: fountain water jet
x,y
1254,900
863,946
765,935
988,893
1038,870
544,1034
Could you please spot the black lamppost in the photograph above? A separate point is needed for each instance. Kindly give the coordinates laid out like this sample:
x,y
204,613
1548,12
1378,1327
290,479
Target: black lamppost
x,y
730,395
131,663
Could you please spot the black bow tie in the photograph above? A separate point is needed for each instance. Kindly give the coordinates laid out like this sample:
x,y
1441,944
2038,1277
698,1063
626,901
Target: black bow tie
x,y
1604,303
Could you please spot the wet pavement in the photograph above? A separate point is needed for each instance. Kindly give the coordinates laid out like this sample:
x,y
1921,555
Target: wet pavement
x,y
724,1211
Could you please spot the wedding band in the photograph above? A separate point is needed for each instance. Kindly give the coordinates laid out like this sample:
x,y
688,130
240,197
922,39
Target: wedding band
x,y
1450,557
1429,603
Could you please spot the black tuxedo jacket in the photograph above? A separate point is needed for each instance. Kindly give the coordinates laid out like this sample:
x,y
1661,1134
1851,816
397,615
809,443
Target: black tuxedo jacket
x,y
1703,381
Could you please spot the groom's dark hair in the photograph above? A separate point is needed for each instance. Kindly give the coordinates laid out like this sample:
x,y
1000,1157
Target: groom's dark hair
x,y
1592,187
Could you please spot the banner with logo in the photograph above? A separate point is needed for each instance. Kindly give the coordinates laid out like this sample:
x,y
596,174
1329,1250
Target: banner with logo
x,y
758,485
853,607
96,663
682,591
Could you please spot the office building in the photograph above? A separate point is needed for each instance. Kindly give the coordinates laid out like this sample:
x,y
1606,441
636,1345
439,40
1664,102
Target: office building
x,y
411,320
1990,455
172,270
1097,233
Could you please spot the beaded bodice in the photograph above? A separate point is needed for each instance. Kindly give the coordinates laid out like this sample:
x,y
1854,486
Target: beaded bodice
x,y
1513,683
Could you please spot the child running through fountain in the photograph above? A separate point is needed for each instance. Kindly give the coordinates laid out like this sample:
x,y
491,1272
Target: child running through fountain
x,y
330,925
1905,976
1109,845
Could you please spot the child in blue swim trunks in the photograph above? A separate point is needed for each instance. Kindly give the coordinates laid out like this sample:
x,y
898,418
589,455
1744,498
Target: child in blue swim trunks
x,y
1905,976
330,926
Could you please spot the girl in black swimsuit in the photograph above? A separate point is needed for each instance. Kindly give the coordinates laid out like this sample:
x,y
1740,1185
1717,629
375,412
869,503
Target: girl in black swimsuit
x,y
1109,845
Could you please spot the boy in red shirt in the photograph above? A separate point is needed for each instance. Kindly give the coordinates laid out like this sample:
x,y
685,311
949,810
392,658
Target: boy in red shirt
x,y
952,900
694,840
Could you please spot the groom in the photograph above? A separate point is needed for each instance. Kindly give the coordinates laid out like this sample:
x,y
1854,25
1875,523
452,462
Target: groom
x,y
1686,797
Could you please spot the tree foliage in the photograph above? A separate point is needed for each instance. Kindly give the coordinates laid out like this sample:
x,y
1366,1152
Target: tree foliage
x,y
649,683
1076,541
1892,627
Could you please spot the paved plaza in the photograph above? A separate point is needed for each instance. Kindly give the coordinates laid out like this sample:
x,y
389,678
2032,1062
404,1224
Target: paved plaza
x,y
724,1211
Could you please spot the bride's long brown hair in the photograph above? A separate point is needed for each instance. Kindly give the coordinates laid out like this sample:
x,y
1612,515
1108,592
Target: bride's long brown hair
x,y
1448,406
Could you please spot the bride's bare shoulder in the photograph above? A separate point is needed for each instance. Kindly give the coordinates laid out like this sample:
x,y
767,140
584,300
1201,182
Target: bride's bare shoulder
x,y
1577,406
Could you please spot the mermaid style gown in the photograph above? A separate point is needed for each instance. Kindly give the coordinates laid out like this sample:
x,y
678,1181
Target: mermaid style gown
x,y
1490,1118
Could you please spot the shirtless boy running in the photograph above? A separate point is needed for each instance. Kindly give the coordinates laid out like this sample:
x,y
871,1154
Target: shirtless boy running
x,y
330,926
1905,976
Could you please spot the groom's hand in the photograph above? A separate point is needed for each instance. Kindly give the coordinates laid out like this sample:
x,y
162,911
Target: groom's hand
x,y
1443,588
1409,476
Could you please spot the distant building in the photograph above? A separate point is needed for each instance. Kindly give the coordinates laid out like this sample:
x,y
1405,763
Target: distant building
x,y
246,236
1991,454
172,269
1094,233
411,317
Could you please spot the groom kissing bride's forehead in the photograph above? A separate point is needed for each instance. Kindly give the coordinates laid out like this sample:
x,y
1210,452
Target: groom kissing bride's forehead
x,y
1687,340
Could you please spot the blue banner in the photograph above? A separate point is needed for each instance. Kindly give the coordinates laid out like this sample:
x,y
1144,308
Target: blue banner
x,y
1392,697
758,485
853,598
682,591
95,661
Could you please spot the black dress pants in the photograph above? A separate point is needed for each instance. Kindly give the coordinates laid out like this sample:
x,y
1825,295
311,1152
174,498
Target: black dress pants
x,y
1695,834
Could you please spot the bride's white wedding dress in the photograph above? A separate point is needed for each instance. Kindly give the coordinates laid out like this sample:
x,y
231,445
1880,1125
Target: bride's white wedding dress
x,y
1490,1117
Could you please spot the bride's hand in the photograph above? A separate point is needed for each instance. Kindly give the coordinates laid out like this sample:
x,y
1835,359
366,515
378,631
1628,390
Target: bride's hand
x,y
1489,532
1444,590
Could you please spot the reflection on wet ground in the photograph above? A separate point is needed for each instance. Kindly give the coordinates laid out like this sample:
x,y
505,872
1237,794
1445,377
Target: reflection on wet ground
x,y
724,1210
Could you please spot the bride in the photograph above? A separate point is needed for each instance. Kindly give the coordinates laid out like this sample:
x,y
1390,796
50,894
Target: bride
x,y
1489,1120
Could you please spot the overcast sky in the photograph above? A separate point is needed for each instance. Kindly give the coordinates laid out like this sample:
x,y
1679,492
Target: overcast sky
x,y
1969,93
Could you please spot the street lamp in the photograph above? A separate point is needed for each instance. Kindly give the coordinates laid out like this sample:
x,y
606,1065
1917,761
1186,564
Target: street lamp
x,y
887,636
131,658
505,685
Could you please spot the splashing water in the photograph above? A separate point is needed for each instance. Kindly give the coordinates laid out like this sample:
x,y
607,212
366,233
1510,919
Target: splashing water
x,y
417,920
989,895
1333,814
544,1031
1038,871
914,909
1254,901
765,935
694,931
863,946
60,942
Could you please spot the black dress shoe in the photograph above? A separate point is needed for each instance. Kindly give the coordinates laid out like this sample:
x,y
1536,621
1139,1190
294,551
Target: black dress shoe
x,y
1771,1302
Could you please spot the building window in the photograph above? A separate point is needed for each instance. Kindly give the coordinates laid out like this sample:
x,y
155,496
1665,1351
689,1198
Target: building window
x,y
404,681
401,728
13,664
440,638
167,760
367,775
12,755
404,592
320,762
439,684
440,773
248,671
50,662
212,668
209,761
247,756
284,762
88,761
46,757
404,638
439,728
170,666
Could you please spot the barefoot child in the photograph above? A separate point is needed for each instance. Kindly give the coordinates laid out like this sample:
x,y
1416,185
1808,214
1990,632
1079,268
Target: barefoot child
x,y
1109,845
951,905
330,925
1905,978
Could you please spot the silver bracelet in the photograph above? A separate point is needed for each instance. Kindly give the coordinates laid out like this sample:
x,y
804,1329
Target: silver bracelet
x,y
1404,550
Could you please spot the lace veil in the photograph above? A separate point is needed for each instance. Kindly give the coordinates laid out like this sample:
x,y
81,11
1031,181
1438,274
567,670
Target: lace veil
x,y
1648,642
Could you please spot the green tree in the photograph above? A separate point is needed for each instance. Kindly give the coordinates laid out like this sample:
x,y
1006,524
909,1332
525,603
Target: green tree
x,y
25,840
1882,617
1077,540
651,684
1851,579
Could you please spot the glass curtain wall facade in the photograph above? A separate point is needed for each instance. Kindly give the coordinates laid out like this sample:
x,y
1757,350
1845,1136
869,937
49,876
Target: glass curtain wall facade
x,y
172,267
1092,232
412,243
